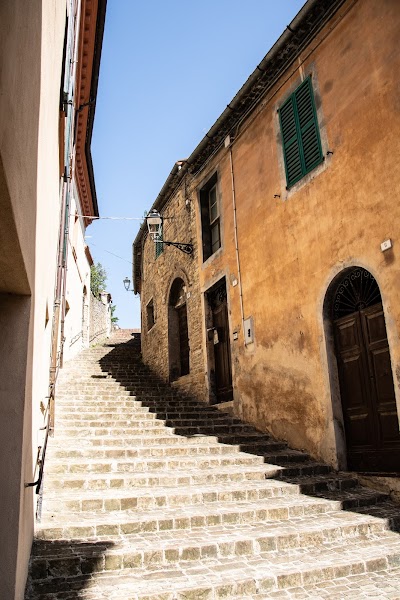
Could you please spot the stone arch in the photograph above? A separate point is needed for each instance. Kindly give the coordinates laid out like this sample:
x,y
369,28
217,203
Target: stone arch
x,y
360,372
178,335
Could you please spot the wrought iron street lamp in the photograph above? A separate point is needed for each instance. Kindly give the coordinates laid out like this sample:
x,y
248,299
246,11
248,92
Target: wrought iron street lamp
x,y
154,225
127,284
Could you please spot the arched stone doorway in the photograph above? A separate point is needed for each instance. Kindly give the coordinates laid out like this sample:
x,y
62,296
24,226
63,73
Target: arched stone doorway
x,y
178,336
354,306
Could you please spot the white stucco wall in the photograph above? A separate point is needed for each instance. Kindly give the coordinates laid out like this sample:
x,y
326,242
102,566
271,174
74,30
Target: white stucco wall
x,y
76,326
31,46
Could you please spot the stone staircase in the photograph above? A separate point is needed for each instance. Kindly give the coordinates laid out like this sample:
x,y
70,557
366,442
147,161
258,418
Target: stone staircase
x,y
149,495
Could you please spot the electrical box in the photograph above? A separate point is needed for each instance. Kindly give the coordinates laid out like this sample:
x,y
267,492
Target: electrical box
x,y
386,245
248,331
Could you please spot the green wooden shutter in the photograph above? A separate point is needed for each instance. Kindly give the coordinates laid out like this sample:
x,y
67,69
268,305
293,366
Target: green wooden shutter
x,y
308,125
159,245
291,149
300,133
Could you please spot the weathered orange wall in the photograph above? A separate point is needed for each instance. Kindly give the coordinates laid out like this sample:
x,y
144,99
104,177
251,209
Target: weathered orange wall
x,y
290,247
293,243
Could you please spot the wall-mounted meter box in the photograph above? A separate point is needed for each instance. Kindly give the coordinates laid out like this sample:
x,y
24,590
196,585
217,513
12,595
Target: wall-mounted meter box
x,y
248,331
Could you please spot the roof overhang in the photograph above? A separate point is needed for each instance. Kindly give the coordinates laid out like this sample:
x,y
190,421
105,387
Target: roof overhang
x,y
91,32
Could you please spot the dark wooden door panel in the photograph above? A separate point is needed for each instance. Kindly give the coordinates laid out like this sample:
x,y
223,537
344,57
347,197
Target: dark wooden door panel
x,y
381,379
382,372
183,339
367,391
375,326
353,375
222,353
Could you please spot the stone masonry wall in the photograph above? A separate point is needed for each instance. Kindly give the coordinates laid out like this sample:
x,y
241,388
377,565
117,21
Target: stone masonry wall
x,y
100,319
158,276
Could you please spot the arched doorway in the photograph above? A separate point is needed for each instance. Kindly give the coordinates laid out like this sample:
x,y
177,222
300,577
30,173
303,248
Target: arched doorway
x,y
365,373
178,336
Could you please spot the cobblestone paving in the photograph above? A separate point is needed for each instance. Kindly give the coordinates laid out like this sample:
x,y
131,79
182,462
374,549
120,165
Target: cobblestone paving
x,y
151,496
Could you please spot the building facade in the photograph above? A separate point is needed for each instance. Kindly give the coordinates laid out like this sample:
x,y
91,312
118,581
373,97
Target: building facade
x,y
287,309
49,65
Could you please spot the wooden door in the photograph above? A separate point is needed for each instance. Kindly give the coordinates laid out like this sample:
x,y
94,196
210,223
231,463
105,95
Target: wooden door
x,y
183,339
367,391
222,351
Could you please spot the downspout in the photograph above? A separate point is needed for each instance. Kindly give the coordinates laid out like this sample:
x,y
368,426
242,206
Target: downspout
x,y
64,273
236,240
57,304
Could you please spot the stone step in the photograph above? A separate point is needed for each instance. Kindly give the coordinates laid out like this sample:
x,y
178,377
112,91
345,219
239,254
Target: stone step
x,y
379,585
97,524
221,420
239,460
229,539
306,469
283,499
115,398
313,485
178,477
130,440
222,577
115,421
390,511
81,412
213,427
67,417
154,451
104,403
156,429
174,497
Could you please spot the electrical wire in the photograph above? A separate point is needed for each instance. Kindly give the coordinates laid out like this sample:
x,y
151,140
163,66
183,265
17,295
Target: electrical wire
x,y
112,253
112,218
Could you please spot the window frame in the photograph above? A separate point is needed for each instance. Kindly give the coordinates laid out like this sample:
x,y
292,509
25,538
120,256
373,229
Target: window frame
x,y
301,130
210,224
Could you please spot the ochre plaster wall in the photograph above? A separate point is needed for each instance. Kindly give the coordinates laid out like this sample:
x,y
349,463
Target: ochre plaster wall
x,y
292,246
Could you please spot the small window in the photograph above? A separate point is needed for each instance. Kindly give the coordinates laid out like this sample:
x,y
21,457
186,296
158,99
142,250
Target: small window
x,y
301,141
210,218
159,245
150,315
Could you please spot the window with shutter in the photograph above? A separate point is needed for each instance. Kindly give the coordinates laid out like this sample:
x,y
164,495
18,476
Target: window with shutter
x,y
210,218
159,245
300,133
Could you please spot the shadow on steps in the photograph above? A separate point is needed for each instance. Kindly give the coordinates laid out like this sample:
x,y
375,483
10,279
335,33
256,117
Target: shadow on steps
x,y
64,567
191,418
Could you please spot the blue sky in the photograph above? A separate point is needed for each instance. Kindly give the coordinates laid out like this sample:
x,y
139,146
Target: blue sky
x,y
168,70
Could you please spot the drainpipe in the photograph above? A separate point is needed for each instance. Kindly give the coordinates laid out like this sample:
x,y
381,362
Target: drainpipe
x,y
57,304
236,239
64,274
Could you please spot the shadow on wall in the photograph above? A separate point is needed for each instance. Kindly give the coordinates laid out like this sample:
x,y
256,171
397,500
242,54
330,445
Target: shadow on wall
x,y
191,418
64,567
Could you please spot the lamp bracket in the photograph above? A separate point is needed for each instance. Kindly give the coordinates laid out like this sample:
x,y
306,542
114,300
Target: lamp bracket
x,y
186,248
